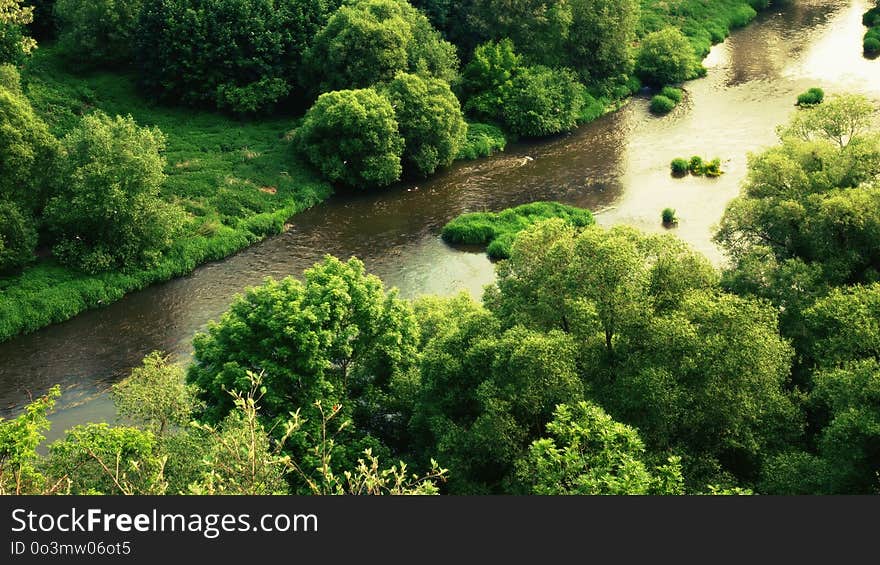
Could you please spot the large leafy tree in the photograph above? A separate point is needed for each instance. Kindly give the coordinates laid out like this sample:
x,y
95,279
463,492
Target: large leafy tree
x,y
28,153
430,121
601,37
240,55
96,32
18,238
352,137
369,41
110,213
666,57
333,342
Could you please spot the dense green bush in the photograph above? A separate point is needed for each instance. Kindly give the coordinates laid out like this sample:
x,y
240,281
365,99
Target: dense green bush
x,y
15,43
668,216
97,32
240,55
543,101
430,121
369,41
662,105
482,140
695,165
666,57
352,137
108,213
28,153
674,94
18,238
811,97
680,167
9,78
872,45
498,230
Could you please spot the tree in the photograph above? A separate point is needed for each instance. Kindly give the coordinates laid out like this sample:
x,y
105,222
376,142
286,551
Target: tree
x,y
844,326
540,28
601,36
331,343
352,137
666,57
156,396
110,213
589,453
18,238
430,121
543,101
370,41
845,118
487,80
96,32
28,154
15,45
240,55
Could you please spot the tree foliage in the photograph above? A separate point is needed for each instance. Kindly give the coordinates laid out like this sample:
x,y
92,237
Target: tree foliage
x,y
370,41
109,213
97,32
665,57
15,44
430,121
352,137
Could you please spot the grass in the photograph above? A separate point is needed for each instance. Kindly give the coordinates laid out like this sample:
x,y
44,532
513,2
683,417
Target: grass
x,y
240,181
497,230
483,140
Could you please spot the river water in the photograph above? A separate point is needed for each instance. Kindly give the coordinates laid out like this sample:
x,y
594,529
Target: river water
x,y
617,166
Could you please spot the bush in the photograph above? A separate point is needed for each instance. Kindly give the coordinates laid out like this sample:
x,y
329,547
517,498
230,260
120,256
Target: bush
x,y
109,213
498,230
695,165
712,168
15,44
430,120
10,79
661,104
674,94
28,153
543,101
482,140
680,167
352,137
370,41
669,217
666,57
239,55
18,238
872,45
811,97
96,32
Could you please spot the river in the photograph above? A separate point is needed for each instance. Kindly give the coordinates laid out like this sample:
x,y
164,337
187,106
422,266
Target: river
x,y
617,166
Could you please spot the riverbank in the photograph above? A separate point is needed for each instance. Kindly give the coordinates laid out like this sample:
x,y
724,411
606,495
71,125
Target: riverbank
x,y
240,181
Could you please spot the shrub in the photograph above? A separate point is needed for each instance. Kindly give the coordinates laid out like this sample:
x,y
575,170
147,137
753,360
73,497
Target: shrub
x,y
543,101
239,55
669,217
696,165
680,167
10,79
18,238
352,137
95,32
482,140
15,44
666,57
498,230
430,120
674,94
712,168
872,45
811,97
369,41
109,213
661,104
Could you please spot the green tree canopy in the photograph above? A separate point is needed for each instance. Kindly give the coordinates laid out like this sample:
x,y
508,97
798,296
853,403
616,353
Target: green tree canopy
x,y
96,32
666,57
430,121
353,138
109,213
370,41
